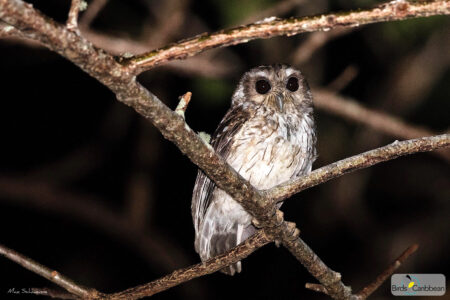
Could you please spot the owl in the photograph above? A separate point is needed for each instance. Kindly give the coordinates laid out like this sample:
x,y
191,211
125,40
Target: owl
x,y
268,137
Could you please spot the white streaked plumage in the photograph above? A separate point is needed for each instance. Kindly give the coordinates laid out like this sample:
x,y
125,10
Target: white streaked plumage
x,y
266,142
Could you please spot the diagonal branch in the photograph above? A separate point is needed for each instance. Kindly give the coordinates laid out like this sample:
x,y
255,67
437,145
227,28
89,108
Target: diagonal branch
x,y
373,286
92,12
350,109
47,273
182,275
391,11
357,162
212,265
368,290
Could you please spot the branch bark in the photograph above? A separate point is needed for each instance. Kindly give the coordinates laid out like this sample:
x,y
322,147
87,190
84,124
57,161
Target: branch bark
x,y
179,276
350,109
369,289
72,20
258,240
391,11
357,162
47,273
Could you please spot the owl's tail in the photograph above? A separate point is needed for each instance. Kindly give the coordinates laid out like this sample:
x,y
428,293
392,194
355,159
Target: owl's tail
x,y
216,239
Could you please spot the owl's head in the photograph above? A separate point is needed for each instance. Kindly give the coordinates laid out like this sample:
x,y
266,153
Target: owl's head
x,y
280,88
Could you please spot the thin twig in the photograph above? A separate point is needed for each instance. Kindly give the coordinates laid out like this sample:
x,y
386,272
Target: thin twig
x,y
210,266
177,277
343,79
316,287
47,273
372,287
368,290
72,20
183,104
395,10
91,12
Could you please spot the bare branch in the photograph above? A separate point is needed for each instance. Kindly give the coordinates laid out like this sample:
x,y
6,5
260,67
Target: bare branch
x,y
183,104
344,78
351,109
382,122
179,276
72,20
368,290
210,266
357,162
372,287
395,10
91,12
47,273
316,287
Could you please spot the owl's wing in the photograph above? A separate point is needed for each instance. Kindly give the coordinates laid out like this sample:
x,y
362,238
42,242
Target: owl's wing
x,y
221,141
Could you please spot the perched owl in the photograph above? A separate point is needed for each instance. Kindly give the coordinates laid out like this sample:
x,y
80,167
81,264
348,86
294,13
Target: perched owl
x,y
268,137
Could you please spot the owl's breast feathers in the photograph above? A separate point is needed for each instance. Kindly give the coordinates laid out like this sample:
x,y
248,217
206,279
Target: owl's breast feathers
x,y
271,147
265,148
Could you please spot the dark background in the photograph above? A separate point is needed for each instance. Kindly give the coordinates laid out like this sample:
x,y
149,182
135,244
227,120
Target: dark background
x,y
91,189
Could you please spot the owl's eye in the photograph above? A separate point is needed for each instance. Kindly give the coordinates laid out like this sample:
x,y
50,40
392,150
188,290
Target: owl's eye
x,y
262,86
292,84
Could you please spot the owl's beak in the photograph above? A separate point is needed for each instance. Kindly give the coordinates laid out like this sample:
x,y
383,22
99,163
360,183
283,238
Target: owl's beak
x,y
279,99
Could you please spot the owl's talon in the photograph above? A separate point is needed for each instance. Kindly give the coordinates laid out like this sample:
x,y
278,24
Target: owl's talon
x,y
256,223
279,215
294,232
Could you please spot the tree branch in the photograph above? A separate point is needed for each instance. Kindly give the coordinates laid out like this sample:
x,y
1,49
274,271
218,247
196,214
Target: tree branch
x,y
72,20
391,11
91,12
372,287
212,265
357,162
47,273
368,290
379,121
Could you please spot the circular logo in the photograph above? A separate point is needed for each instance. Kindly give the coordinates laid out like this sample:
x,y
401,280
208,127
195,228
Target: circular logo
x,y
410,282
